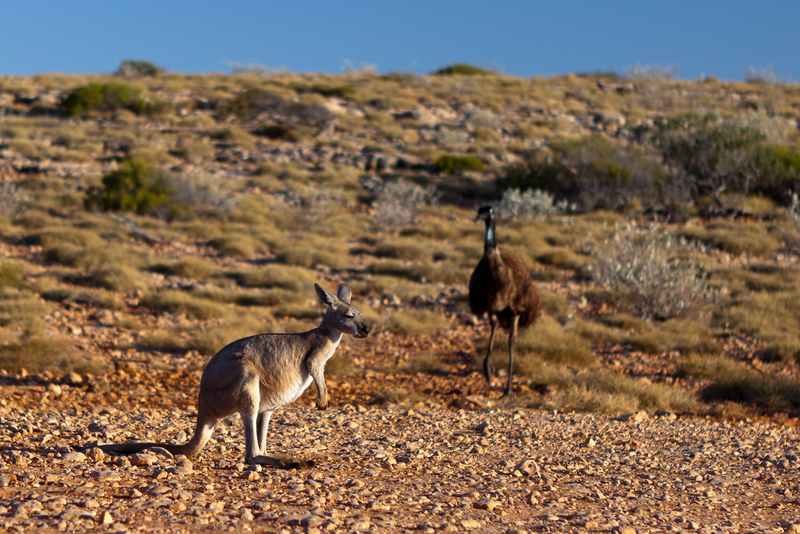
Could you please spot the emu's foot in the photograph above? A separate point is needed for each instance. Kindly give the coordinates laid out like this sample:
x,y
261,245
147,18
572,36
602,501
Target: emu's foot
x,y
508,392
283,463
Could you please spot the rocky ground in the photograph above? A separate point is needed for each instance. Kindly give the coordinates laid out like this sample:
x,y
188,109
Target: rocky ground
x,y
392,470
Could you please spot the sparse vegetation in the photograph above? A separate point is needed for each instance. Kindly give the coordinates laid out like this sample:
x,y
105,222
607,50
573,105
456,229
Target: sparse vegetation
x,y
238,192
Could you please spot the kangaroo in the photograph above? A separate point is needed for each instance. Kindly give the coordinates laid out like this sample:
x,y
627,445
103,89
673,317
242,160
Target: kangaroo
x,y
256,375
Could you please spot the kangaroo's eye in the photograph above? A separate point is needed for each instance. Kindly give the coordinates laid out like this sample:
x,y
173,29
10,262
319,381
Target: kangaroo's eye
x,y
349,315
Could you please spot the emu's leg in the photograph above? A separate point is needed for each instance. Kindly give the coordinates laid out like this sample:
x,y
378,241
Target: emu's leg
x,y
512,342
262,424
488,368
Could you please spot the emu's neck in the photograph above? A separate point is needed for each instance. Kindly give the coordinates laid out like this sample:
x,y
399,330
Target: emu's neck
x,y
489,243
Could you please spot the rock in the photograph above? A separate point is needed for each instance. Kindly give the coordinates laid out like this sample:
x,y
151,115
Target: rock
x,y
107,519
246,515
470,524
250,475
484,428
142,459
637,417
160,451
528,467
486,504
106,475
625,530
96,454
74,456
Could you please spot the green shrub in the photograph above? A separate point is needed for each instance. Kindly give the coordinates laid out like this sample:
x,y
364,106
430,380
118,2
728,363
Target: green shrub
x,y
135,186
282,132
464,69
716,155
340,91
592,172
134,68
449,164
11,275
104,97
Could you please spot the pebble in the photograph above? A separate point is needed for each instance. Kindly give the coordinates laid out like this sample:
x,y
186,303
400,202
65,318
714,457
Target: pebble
x,y
485,504
74,456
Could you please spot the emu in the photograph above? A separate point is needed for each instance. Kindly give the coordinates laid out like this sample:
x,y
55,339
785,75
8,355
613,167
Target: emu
x,y
501,287
256,375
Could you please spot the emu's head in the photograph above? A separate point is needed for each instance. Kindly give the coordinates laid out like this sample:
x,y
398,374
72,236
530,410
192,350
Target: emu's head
x,y
485,214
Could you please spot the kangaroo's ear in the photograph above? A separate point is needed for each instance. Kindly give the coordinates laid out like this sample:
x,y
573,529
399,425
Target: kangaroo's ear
x,y
344,293
325,296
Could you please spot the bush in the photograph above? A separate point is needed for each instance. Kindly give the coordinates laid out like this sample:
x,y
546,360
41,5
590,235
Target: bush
x,y
104,97
257,103
463,69
313,205
399,201
11,200
592,172
133,68
449,164
283,132
716,156
645,269
135,186
532,204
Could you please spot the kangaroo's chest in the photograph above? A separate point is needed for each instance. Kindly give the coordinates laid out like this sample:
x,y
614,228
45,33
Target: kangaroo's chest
x,y
295,385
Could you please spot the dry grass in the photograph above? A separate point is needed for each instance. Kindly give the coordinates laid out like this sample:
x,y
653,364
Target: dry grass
x,y
734,381
39,354
179,302
416,322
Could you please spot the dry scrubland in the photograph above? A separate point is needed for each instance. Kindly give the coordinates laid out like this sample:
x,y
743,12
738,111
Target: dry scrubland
x,y
150,218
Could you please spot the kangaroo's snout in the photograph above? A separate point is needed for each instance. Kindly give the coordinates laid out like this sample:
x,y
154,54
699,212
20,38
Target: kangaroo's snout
x,y
363,330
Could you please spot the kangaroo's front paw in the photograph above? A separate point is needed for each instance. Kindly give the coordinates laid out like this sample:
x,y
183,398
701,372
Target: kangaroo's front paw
x,y
321,405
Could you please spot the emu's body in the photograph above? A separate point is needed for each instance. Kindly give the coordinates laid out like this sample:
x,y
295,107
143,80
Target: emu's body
x,y
501,287
256,375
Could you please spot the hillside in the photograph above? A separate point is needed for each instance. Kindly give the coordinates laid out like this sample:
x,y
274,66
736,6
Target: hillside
x,y
146,221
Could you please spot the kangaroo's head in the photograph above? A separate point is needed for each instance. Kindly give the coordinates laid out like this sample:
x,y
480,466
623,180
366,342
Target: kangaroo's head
x,y
341,315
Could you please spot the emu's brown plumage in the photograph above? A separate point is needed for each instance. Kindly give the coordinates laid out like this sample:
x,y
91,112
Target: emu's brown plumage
x,y
501,287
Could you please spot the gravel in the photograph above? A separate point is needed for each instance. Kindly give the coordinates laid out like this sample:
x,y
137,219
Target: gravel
x,y
461,471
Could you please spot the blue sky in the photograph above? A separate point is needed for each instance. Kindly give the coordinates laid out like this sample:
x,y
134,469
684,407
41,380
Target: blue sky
x,y
525,38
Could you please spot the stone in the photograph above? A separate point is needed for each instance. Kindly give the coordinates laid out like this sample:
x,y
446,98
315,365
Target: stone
x,y
485,504
638,417
96,454
74,456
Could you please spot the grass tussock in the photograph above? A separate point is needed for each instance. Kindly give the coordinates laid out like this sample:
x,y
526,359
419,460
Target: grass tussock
x,y
424,362
735,238
734,381
546,340
186,304
678,334
416,322
40,354
277,276
209,341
